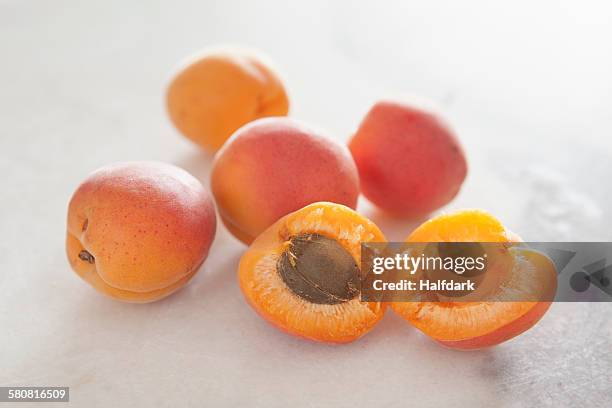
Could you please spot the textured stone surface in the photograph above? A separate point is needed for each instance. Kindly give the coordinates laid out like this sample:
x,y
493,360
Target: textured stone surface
x,y
526,85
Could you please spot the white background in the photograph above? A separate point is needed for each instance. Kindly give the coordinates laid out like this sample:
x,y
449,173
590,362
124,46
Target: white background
x,y
527,86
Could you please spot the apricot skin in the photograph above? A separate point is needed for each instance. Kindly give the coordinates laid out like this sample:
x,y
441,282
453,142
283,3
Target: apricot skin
x,y
148,226
410,163
220,91
274,166
504,333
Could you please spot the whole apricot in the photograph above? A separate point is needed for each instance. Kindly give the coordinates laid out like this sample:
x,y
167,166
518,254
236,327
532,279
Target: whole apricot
x,y
138,231
274,166
221,90
410,162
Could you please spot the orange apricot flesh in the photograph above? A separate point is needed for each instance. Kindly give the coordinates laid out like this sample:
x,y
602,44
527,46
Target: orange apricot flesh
x,y
324,306
138,231
479,324
221,90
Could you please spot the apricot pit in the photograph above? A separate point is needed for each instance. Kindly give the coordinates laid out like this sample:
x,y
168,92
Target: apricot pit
x,y
319,270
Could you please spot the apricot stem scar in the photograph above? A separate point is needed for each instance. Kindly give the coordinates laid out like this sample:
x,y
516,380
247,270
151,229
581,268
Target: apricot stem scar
x,y
87,257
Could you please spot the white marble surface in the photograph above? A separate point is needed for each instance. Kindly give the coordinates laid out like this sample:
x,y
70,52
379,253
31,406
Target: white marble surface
x,y
527,85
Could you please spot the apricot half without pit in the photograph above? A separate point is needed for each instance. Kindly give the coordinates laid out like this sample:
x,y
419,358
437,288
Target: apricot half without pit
x,y
477,324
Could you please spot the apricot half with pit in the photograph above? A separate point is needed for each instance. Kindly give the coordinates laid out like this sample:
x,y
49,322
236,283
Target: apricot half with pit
x,y
529,275
303,274
274,166
138,231
219,91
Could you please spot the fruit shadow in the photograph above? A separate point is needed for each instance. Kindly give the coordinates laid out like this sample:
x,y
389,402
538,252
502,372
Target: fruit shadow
x,y
396,229
121,323
414,348
199,163
410,349
215,284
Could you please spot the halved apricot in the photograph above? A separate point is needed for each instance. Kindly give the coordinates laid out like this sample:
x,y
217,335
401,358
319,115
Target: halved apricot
x,y
478,324
303,274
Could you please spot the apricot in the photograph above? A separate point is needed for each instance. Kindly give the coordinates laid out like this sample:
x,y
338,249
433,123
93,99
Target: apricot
x,y
410,162
221,90
479,324
274,166
138,231
303,274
